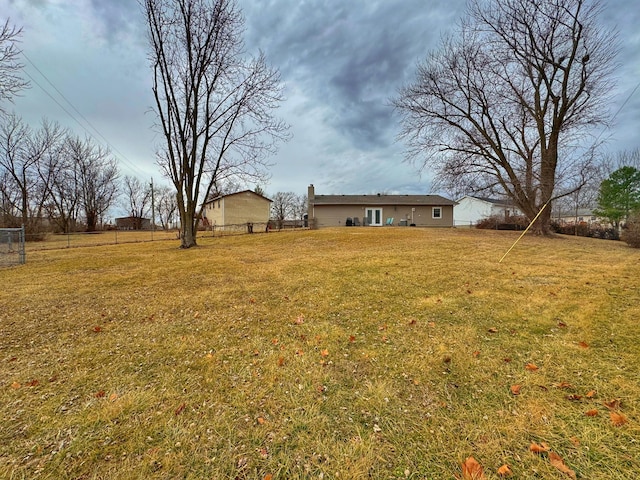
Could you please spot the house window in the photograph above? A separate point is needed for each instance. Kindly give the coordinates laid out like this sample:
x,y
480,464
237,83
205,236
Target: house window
x,y
436,212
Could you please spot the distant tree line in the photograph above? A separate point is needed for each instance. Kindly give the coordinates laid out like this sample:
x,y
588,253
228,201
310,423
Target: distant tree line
x,y
54,180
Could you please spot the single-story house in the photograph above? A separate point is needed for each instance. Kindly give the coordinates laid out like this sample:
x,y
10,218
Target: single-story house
x,y
133,223
470,210
237,211
582,215
378,210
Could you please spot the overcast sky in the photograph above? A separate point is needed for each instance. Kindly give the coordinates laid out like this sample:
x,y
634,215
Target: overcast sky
x,y
341,62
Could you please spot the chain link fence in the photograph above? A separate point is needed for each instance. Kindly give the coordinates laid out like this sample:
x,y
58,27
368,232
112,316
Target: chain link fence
x,y
12,248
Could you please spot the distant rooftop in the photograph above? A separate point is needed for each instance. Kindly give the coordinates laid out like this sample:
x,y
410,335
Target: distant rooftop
x,y
380,199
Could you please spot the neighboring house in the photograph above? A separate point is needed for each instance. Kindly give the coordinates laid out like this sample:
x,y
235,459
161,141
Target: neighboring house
x,y
133,223
237,211
379,210
582,215
470,210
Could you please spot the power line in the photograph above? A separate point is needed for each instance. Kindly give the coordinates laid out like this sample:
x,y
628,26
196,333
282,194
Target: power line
x,y
626,101
114,149
617,112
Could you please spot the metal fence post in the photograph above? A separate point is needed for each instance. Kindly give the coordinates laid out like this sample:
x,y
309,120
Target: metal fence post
x,y
23,251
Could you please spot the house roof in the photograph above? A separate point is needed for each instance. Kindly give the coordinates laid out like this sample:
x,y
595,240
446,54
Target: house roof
x,y
237,193
381,200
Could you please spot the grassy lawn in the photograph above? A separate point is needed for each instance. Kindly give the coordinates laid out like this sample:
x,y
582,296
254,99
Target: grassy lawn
x,y
348,354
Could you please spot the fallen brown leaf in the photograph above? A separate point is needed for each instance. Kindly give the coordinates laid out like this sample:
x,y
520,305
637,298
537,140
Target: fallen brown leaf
x,y
618,419
180,409
583,344
472,470
591,413
613,404
515,389
535,448
563,385
505,471
531,367
556,461
591,394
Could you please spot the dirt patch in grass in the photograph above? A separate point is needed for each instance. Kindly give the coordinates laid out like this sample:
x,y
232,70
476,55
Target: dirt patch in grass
x,y
376,353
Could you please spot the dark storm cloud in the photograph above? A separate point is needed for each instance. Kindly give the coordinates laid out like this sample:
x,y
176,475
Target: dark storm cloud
x,y
121,21
351,56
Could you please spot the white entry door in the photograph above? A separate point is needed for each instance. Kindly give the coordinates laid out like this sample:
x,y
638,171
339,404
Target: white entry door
x,y
374,217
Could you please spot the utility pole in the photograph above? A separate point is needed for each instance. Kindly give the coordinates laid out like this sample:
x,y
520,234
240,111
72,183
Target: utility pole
x,y
153,210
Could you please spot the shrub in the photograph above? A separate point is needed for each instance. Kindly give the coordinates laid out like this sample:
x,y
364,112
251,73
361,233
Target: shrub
x,y
498,222
585,230
631,232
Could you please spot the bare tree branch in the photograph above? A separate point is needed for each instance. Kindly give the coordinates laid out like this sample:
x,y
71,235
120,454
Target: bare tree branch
x,y
509,103
214,105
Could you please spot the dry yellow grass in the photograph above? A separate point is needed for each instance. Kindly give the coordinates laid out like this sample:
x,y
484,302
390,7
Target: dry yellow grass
x,y
351,353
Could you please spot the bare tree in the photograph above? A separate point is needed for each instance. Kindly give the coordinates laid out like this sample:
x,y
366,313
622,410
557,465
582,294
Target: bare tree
x,y
166,206
225,186
10,81
138,197
58,179
97,174
505,104
22,155
214,106
283,207
300,206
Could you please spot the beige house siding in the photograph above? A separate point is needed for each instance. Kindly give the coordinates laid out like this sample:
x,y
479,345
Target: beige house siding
x,y
334,210
336,215
237,209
